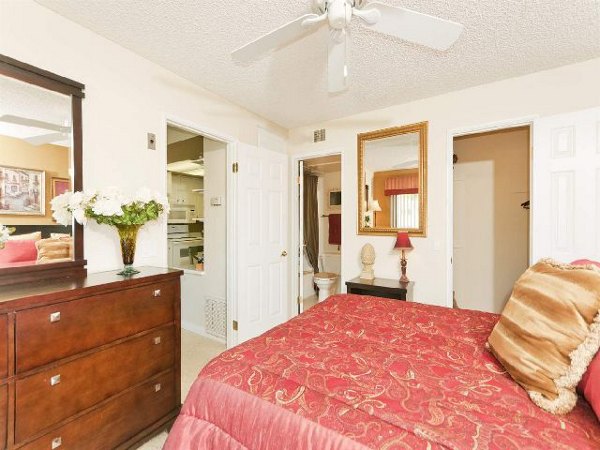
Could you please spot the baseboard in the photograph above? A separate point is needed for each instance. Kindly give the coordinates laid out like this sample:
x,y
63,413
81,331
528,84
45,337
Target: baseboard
x,y
197,329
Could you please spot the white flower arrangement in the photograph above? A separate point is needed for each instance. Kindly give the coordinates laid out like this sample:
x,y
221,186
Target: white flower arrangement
x,y
109,206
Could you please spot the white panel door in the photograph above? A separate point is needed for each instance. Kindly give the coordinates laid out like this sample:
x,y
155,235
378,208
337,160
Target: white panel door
x,y
300,268
263,247
565,203
474,235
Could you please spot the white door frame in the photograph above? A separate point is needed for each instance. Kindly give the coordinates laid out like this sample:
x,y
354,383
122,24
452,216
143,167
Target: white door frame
x,y
231,201
294,223
475,129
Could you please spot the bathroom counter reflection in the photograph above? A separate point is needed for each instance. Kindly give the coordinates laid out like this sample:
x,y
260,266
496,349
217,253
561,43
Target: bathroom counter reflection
x,y
392,180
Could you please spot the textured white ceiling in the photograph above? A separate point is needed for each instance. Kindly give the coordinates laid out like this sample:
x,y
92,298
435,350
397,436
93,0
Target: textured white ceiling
x,y
396,152
27,101
194,38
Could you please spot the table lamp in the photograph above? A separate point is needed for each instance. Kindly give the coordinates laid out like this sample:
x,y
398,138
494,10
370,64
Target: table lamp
x,y
403,243
374,207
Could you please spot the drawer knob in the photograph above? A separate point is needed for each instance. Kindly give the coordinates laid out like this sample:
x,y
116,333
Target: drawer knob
x,y
157,387
56,442
157,340
156,293
55,380
54,317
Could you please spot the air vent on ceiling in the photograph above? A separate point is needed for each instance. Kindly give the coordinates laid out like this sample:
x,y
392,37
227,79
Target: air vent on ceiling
x,y
319,135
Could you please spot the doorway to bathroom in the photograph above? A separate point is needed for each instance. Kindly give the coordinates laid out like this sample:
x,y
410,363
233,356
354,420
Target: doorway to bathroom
x,y
320,203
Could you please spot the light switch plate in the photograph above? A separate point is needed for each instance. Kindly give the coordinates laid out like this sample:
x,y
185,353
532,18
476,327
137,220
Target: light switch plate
x,y
151,141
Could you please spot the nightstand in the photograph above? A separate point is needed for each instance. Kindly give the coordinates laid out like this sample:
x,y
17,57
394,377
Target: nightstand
x,y
381,287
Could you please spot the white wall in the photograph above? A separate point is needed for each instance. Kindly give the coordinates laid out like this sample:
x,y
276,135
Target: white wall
x,y
127,96
563,89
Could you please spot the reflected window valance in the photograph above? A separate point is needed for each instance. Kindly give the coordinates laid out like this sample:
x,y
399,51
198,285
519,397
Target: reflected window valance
x,y
402,184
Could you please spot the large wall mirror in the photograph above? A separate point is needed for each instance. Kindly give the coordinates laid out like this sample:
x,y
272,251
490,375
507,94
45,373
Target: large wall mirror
x,y
392,180
40,158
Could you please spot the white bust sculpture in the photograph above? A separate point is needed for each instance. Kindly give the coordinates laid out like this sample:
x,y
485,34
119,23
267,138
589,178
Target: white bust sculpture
x,y
367,257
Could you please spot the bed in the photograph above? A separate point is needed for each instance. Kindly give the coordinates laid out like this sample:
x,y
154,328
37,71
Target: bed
x,y
358,372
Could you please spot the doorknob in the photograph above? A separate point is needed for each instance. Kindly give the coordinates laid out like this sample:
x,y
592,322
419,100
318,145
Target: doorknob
x,y
284,253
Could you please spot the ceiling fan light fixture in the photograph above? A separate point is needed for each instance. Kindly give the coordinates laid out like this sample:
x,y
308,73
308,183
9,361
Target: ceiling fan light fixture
x,y
339,13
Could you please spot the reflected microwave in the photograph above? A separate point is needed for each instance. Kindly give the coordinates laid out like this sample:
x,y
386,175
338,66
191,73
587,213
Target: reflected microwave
x,y
181,214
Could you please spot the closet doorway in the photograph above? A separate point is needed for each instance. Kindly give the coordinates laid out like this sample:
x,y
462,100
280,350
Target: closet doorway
x,y
197,227
491,216
319,229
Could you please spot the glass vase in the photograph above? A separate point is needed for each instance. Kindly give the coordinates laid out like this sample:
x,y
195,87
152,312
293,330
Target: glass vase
x,y
128,238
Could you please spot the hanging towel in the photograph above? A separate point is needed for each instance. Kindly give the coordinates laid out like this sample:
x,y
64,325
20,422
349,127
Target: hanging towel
x,y
335,229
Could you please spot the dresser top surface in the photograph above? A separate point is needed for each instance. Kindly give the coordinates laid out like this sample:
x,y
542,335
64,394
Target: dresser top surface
x,y
379,283
74,286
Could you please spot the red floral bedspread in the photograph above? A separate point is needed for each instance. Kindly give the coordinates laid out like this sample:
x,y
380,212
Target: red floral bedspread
x,y
383,373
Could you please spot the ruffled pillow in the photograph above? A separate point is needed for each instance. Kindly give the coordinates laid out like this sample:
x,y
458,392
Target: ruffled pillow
x,y
589,386
549,332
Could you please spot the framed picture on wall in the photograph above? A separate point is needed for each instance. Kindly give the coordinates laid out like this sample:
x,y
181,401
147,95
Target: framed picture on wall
x,y
22,191
60,186
335,199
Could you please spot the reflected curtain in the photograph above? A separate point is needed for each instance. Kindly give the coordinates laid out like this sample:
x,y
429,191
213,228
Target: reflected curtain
x,y
402,184
311,220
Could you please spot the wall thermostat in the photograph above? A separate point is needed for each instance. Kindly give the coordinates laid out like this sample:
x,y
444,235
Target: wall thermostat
x,y
216,201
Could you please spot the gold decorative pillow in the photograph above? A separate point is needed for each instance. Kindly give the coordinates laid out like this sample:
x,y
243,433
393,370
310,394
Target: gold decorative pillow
x,y
59,235
549,332
54,249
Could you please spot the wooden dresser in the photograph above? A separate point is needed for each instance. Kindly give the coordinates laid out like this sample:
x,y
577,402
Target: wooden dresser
x,y
381,287
91,363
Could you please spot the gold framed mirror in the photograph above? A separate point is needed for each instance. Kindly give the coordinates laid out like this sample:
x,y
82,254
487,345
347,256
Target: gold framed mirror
x,y
392,180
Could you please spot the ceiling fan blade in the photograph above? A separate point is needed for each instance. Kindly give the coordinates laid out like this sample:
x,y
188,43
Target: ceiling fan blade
x,y
337,68
278,38
33,123
45,138
413,26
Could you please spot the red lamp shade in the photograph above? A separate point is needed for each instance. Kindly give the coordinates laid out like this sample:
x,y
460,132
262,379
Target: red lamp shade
x,y
403,242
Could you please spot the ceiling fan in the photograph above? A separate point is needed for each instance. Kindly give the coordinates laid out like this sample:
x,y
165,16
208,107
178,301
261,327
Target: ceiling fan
x,y
403,23
60,132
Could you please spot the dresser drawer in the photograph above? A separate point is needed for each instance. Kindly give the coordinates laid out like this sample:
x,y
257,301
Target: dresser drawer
x,y
55,394
115,422
3,346
3,415
53,332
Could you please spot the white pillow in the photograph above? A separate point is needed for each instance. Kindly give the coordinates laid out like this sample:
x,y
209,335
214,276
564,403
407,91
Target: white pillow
x,y
35,236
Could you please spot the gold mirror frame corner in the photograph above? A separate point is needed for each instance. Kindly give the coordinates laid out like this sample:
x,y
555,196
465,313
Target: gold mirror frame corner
x,y
422,128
